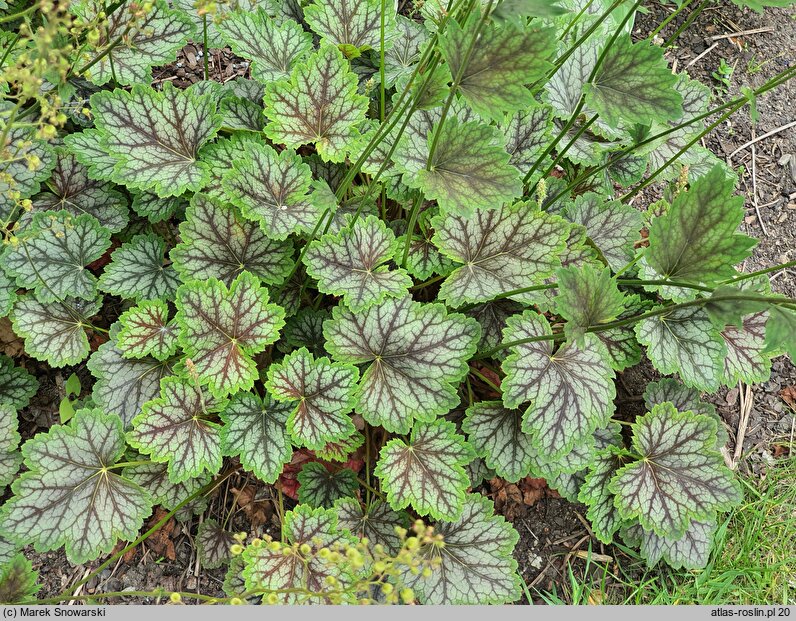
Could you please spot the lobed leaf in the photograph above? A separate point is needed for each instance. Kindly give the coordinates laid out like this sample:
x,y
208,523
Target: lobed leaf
x,y
254,429
145,330
501,250
51,254
319,104
222,328
177,429
678,474
417,353
70,496
570,391
137,270
320,487
17,386
428,471
324,391
351,264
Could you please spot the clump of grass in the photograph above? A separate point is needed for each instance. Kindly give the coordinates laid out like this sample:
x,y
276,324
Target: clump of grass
x,y
753,562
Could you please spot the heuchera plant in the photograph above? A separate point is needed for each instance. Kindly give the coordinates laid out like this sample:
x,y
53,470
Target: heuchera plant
x,y
407,239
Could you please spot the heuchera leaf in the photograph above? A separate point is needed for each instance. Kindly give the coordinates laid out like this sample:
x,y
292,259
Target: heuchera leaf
x,y
222,328
155,136
613,226
69,496
428,471
527,135
746,360
570,391
376,522
71,189
89,150
325,394
634,85
685,341
154,478
492,317
696,239
176,429
20,144
319,487
351,25
8,294
477,563
255,430
351,264
587,297
154,208
678,474
305,329
502,250
137,270
781,331
273,48
221,155
145,330
595,493
122,385
50,255
17,386
319,104
417,353
148,40
404,53
271,188
495,432
469,169
502,61
10,457
218,243
691,551
275,571
339,450
214,544
54,333
18,581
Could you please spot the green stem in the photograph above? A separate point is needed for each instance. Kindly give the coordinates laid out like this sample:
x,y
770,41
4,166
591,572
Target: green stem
x,y
205,47
20,15
10,47
687,23
485,379
130,464
560,155
666,21
468,53
663,310
780,78
104,52
87,597
762,272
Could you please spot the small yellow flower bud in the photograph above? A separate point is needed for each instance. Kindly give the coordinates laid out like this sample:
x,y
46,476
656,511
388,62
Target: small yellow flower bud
x,y
272,599
236,549
407,595
236,601
305,549
256,543
175,598
387,588
426,572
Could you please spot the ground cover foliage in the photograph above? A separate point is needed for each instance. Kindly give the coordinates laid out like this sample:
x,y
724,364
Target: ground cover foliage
x,y
406,238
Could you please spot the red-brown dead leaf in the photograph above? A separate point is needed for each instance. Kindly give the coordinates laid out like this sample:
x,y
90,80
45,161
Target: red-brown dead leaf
x,y
788,395
161,542
256,510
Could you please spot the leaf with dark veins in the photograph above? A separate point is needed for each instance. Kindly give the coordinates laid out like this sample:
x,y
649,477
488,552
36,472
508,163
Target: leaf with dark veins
x,y
70,496
678,474
427,472
324,391
222,328
570,391
414,355
176,429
